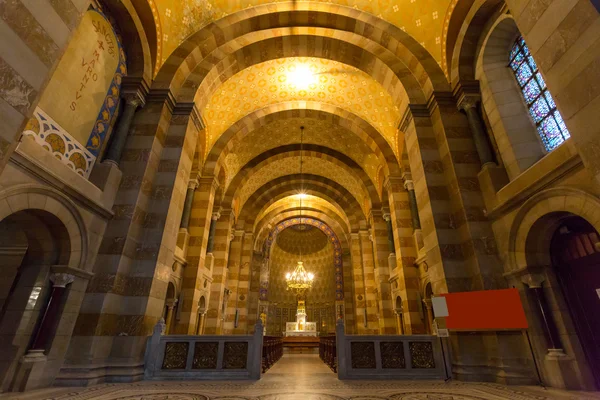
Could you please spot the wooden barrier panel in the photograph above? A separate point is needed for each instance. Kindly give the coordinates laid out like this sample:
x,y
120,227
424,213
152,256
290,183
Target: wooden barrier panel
x,y
271,352
388,356
327,351
219,357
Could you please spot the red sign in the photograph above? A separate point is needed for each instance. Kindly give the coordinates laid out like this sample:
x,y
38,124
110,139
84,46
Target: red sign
x,y
485,310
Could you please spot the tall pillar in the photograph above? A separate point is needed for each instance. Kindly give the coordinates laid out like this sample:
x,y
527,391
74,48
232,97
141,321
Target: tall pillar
x,y
381,251
535,284
133,92
170,304
390,232
199,261
468,104
233,280
370,284
405,275
359,284
243,290
184,235
211,233
429,315
222,239
51,313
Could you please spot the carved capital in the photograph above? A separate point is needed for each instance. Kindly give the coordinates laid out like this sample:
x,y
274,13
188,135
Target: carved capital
x,y
61,279
533,280
469,101
193,184
216,215
170,303
409,184
387,217
134,90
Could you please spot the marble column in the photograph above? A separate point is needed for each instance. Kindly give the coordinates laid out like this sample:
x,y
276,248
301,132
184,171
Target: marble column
x,y
399,320
170,303
211,232
429,308
390,231
201,316
468,104
187,205
52,311
412,202
119,138
534,283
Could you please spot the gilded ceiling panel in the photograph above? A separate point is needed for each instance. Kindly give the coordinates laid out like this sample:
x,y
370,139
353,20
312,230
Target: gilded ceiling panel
x,y
422,19
308,201
311,165
301,79
286,131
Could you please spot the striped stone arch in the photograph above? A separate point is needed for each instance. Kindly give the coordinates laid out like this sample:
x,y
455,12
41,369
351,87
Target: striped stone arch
x,y
312,184
310,109
289,192
466,25
201,49
333,217
337,250
308,151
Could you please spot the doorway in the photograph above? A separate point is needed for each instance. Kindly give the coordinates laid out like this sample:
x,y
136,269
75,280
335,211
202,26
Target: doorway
x,y
575,252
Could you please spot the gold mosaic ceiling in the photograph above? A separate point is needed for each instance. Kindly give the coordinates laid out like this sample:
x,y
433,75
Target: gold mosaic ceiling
x,y
308,201
274,82
424,20
286,132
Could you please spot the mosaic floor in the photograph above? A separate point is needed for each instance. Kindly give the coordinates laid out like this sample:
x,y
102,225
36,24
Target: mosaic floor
x,y
302,377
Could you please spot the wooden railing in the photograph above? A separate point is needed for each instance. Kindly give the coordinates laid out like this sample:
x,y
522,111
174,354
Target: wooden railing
x,y
271,352
206,357
327,351
389,356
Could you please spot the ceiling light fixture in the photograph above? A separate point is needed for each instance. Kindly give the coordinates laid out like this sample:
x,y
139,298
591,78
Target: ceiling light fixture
x,y
301,77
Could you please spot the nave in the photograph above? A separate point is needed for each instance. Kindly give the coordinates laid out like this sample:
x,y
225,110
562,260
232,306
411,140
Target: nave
x,y
303,377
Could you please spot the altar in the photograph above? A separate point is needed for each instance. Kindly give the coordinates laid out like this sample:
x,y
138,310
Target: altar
x,y
301,327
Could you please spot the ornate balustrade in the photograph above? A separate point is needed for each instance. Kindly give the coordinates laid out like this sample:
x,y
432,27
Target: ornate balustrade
x,y
388,356
271,352
327,351
219,357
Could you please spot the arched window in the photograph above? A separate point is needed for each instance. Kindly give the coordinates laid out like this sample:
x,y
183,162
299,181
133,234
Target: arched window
x,y
549,122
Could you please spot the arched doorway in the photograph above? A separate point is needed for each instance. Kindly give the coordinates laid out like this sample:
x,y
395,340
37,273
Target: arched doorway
x,y
32,244
575,252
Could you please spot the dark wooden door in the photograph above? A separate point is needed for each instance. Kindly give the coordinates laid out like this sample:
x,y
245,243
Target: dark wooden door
x,y
577,262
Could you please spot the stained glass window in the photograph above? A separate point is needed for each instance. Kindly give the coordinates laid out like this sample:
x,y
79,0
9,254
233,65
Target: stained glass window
x,y
550,125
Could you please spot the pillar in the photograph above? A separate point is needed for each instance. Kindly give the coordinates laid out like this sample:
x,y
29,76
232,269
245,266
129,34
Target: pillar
x,y
468,104
201,317
390,232
211,233
199,266
370,284
405,275
187,205
429,315
233,280
51,313
133,94
534,283
170,304
243,290
381,251
359,283
220,251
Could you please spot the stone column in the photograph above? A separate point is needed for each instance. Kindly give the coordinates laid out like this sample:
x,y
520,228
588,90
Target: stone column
x,y
187,205
534,283
399,321
429,310
233,280
359,283
199,261
468,104
201,317
170,303
119,138
51,314
412,201
390,231
211,232
370,283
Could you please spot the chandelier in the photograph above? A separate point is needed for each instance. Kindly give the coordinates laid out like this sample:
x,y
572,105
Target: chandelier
x,y
300,281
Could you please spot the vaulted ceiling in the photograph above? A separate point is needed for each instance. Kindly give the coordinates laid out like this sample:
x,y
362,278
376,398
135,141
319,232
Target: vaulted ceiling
x,y
257,71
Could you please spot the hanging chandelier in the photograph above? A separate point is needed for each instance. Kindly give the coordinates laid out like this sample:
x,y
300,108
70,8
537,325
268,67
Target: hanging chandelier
x,y
300,280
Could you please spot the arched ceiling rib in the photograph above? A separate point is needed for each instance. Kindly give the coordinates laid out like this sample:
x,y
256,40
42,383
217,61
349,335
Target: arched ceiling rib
x,y
422,20
271,82
287,132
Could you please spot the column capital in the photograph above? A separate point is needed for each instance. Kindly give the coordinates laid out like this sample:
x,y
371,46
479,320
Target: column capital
x,y
409,184
170,303
428,303
193,183
61,279
134,90
387,217
533,280
467,94
216,215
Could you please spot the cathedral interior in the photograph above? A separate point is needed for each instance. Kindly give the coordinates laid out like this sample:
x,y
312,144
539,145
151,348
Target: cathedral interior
x,y
169,169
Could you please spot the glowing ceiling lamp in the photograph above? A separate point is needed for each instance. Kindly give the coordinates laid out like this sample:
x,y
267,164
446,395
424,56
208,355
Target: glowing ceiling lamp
x,y
301,77
300,281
